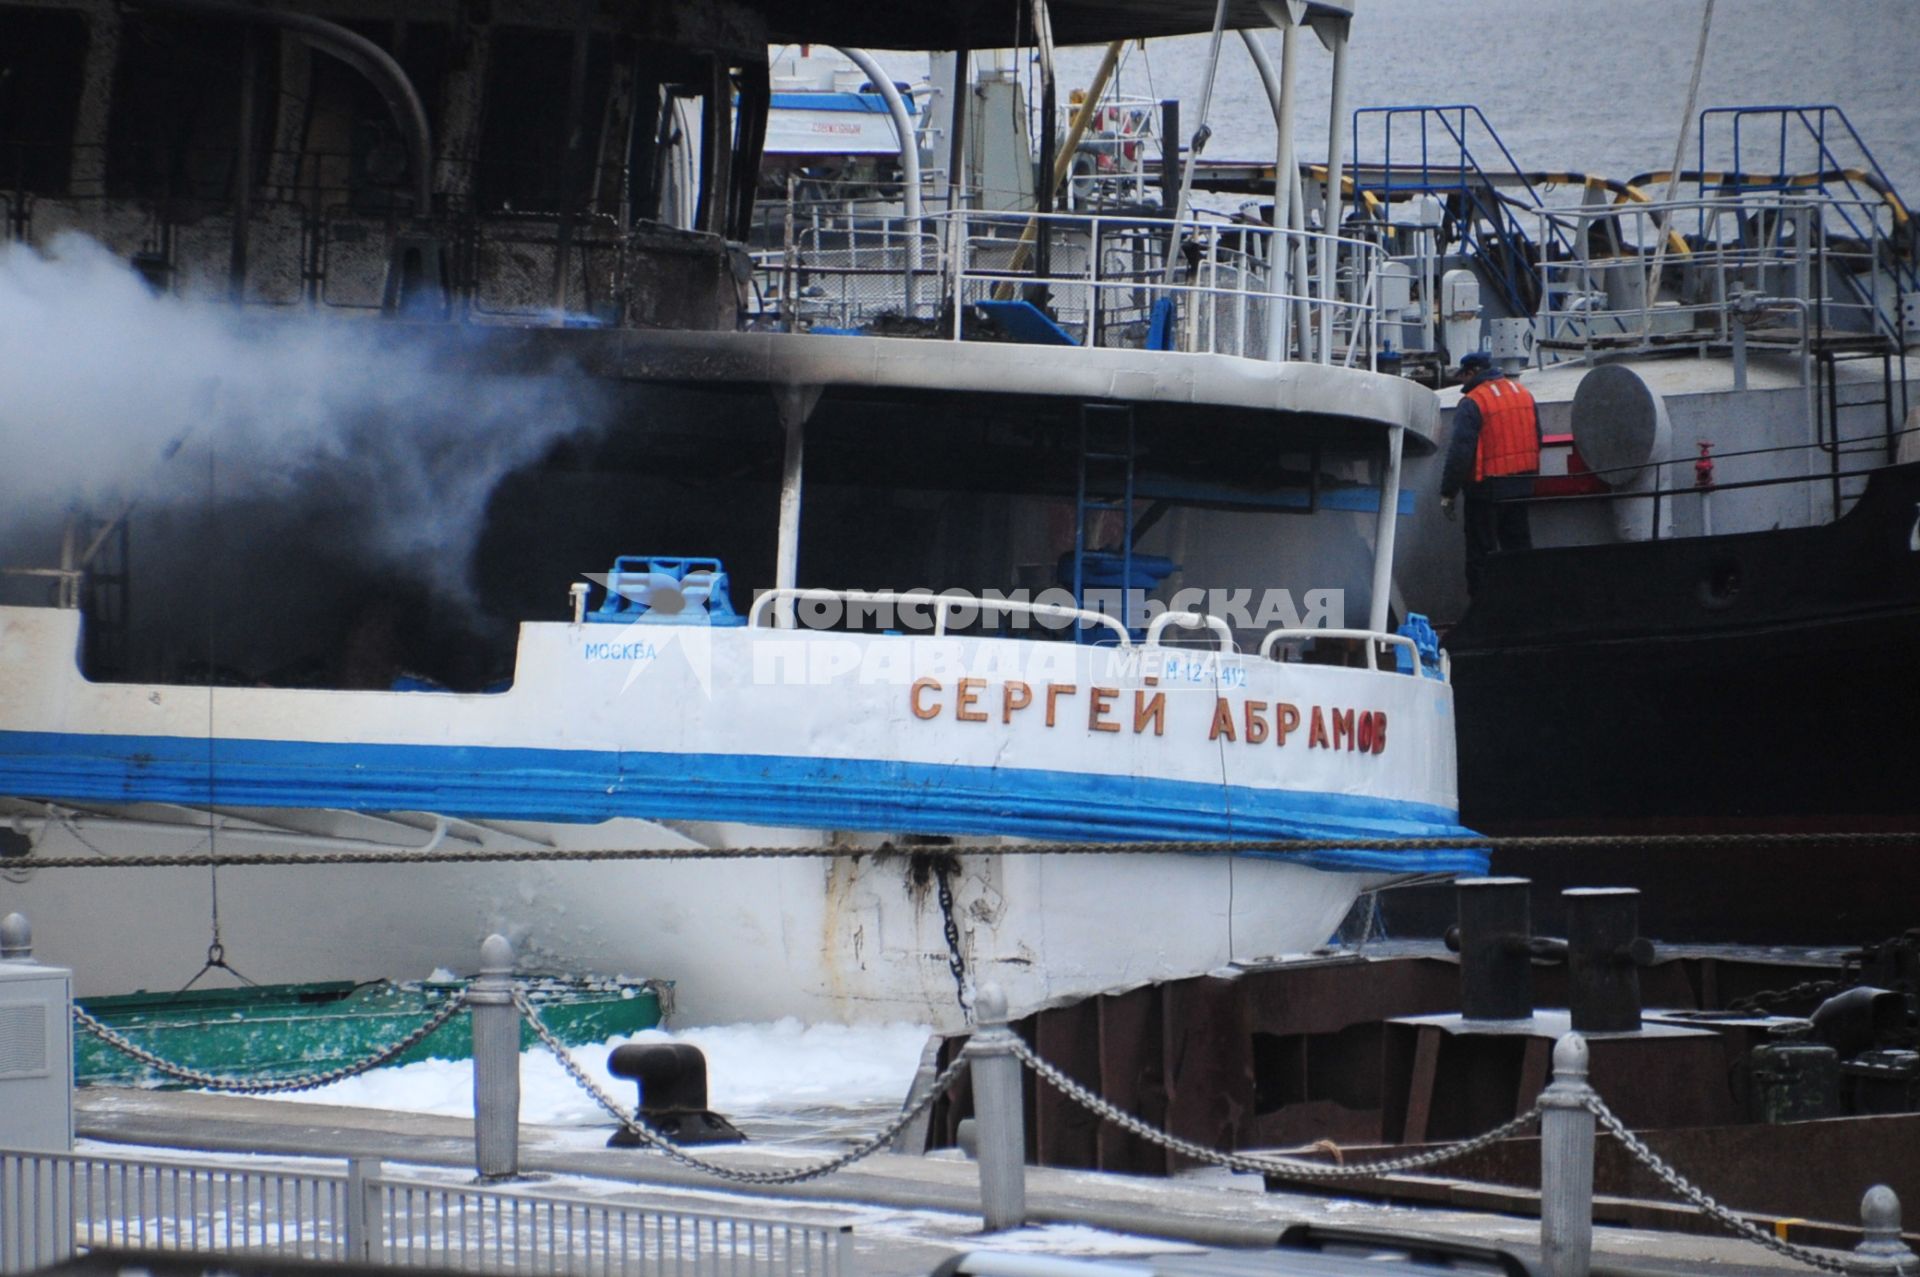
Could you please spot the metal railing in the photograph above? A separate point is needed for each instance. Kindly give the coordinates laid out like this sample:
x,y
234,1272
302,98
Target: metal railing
x,y
939,610
466,1228
1372,638
1156,631
1105,283
941,605
1108,282
53,1203
1800,146
1766,264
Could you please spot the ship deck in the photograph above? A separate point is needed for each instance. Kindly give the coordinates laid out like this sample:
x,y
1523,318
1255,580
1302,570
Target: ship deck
x,y
918,383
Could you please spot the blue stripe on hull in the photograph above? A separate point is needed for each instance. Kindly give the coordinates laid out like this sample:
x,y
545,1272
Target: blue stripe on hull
x,y
587,786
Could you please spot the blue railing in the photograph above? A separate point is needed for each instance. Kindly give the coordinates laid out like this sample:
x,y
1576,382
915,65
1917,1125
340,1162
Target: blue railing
x,y
1440,159
1814,148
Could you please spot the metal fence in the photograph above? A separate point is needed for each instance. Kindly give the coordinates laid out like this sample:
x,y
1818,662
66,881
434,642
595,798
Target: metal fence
x,y
1232,288
1786,267
54,1203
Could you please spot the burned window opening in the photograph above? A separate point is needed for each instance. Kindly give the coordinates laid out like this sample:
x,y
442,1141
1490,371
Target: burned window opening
x,y
43,55
175,121
352,151
523,164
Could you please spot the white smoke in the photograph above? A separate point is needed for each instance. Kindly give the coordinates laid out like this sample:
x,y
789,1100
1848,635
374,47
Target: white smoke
x,y
112,394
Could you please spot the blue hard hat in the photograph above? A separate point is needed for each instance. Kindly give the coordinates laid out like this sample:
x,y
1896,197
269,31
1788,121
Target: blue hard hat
x,y
1475,359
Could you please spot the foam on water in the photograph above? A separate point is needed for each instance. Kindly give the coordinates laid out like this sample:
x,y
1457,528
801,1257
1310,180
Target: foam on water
x,y
783,1079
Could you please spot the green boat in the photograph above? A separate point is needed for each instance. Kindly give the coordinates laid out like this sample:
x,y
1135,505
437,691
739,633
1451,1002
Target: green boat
x,y
285,1030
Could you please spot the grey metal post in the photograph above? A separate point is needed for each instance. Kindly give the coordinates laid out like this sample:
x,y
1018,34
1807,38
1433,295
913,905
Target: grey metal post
x,y
1334,32
366,1243
16,938
1566,1163
793,404
1385,525
496,1063
1882,1252
1000,1113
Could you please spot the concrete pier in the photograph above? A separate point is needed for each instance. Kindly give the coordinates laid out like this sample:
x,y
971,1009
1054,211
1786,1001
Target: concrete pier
x,y
908,1213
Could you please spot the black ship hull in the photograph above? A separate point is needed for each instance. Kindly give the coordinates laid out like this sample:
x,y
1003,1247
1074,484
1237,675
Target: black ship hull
x,y
1761,681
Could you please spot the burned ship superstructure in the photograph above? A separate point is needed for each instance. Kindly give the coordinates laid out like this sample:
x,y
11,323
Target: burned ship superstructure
x,y
1178,409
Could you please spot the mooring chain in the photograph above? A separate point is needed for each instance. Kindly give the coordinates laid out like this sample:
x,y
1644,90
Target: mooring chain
x,y
1689,1192
276,1086
1768,998
956,960
1279,846
653,1139
1281,1166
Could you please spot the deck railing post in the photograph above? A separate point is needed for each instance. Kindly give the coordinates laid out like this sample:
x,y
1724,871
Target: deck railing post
x,y
999,1112
496,1064
1566,1163
366,1244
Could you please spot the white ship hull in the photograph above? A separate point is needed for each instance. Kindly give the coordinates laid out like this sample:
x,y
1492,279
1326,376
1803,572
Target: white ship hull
x,y
714,739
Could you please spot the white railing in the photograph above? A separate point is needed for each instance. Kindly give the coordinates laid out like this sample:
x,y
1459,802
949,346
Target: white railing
x,y
1777,265
1191,621
938,608
1274,638
54,1203
942,606
467,1229
1236,288
1106,281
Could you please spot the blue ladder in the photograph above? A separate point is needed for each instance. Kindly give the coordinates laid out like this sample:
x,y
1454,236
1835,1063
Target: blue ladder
x,y
1105,483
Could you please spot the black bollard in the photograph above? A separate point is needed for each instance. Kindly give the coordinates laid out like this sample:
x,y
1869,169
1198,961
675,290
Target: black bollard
x,y
1604,955
673,1095
1496,963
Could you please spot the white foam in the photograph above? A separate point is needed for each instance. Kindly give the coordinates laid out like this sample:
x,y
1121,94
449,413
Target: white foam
x,y
777,1069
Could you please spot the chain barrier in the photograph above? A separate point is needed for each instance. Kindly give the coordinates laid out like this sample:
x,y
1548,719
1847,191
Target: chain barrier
x,y
653,1139
276,1086
1680,1186
1271,846
1283,1167
1290,1168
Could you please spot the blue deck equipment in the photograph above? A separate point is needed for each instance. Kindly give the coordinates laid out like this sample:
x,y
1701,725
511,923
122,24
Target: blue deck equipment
x,y
658,590
1417,628
1025,322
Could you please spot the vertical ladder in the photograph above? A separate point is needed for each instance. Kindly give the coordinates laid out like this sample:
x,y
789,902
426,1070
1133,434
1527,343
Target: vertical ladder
x,y
1893,401
1105,483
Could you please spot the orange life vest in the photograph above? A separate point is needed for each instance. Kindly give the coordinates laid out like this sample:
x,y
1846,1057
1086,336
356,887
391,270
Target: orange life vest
x,y
1509,430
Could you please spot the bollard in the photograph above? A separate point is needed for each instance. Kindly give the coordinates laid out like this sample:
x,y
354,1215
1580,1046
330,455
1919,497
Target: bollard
x,y
1496,967
672,1081
496,1064
1605,952
1000,1114
1882,1252
1566,1163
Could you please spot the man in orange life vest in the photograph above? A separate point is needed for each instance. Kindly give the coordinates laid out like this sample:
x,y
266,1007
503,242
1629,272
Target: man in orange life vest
x,y
1493,457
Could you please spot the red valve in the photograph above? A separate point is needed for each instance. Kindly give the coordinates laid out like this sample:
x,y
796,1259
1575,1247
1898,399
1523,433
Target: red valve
x,y
1703,468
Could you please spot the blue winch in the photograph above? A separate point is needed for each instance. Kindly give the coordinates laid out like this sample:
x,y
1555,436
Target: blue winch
x,y
658,590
